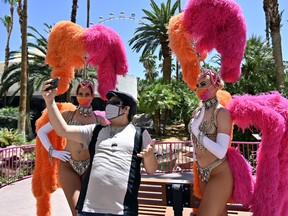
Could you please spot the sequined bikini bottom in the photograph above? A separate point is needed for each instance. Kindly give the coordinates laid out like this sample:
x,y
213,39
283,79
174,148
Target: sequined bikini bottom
x,y
206,172
79,166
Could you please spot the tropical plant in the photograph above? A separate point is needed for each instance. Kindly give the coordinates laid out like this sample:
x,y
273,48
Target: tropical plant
x,y
149,63
153,34
9,117
186,105
8,22
258,69
154,98
10,137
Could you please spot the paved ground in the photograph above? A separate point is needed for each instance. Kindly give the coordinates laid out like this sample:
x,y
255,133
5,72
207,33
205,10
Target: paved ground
x,y
17,199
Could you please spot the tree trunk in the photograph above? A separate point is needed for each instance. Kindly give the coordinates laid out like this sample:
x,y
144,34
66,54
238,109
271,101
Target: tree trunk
x,y
267,24
29,131
271,6
88,14
74,11
167,61
22,12
156,120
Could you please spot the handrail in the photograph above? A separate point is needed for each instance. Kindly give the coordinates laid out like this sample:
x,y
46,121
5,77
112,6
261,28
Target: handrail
x,y
17,162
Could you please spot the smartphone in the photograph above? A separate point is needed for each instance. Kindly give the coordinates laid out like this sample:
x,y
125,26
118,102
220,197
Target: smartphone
x,y
53,84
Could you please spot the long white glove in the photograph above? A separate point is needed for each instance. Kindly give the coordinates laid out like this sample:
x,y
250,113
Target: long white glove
x,y
43,136
218,148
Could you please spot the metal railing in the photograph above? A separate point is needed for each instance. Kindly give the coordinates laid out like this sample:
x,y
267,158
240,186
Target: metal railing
x,y
17,162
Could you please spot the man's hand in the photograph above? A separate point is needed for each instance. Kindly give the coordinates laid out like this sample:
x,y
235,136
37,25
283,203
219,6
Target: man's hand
x,y
148,151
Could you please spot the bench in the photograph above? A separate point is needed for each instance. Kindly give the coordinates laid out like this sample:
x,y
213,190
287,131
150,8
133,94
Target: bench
x,y
167,197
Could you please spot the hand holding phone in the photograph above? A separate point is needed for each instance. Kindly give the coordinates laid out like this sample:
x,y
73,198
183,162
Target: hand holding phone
x,y
53,84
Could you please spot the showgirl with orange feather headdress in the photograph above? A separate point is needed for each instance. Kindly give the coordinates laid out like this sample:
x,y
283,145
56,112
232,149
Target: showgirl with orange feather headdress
x,y
69,45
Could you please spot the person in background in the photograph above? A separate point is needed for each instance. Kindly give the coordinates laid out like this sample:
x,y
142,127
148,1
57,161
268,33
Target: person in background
x,y
74,159
111,188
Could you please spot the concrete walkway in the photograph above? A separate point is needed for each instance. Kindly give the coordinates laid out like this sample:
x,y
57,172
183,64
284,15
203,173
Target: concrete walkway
x,y
17,199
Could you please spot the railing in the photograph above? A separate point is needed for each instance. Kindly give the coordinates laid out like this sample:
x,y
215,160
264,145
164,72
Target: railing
x,y
17,162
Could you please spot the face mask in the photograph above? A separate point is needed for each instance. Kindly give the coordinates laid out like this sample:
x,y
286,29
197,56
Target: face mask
x,y
204,93
83,101
112,111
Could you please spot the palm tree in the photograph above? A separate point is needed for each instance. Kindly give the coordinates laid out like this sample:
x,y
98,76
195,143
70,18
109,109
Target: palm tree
x,y
8,21
22,13
149,63
258,69
274,19
150,35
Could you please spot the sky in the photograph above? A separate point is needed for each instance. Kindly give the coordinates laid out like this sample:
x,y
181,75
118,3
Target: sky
x,y
53,11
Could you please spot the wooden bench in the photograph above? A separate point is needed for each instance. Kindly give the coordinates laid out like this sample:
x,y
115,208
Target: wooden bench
x,y
156,195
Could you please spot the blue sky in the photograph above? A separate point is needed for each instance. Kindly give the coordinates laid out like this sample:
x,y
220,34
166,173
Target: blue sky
x,y
53,11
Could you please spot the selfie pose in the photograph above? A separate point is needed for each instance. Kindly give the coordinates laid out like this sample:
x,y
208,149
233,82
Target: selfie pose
x,y
74,158
71,47
112,184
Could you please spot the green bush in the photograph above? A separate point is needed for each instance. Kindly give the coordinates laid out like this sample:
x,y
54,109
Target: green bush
x,y
9,117
10,137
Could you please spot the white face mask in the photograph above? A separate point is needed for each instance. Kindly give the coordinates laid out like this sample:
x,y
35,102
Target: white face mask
x,y
112,111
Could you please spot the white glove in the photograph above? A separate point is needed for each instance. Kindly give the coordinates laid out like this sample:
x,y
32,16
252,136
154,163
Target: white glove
x,y
43,136
62,155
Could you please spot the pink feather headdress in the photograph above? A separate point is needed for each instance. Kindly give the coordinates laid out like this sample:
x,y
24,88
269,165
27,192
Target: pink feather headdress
x,y
218,24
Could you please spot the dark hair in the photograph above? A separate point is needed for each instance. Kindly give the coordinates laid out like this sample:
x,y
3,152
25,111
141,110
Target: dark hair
x,y
132,110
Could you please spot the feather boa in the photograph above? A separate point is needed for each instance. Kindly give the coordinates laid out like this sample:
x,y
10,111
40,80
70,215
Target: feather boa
x,y
68,43
45,177
267,112
218,24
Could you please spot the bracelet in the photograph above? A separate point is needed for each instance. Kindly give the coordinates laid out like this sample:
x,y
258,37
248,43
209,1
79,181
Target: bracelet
x,y
50,157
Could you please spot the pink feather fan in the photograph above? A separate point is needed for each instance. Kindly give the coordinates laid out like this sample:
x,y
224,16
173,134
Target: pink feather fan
x,y
106,50
218,24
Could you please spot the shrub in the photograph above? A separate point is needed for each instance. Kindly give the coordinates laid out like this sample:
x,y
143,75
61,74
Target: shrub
x,y
9,117
10,137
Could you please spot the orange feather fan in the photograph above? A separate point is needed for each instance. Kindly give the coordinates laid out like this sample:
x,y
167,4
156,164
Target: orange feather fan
x,y
65,51
183,48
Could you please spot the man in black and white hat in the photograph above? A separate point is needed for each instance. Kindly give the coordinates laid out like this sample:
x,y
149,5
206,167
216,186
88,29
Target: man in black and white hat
x,y
113,179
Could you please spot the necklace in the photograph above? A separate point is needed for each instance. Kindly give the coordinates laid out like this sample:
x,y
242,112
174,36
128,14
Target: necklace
x,y
114,131
210,103
85,111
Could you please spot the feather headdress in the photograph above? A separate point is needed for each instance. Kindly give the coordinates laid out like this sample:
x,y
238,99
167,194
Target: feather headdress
x,y
69,43
218,24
